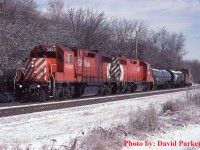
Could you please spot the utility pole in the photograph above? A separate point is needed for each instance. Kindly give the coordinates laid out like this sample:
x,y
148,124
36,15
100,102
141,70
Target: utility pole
x,y
136,44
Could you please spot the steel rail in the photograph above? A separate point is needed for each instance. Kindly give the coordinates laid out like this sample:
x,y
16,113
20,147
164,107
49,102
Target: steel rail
x,y
31,108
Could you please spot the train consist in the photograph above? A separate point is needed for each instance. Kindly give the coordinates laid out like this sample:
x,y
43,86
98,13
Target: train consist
x,y
54,71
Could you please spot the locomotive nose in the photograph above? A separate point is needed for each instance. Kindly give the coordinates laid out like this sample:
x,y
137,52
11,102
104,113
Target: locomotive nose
x,y
36,69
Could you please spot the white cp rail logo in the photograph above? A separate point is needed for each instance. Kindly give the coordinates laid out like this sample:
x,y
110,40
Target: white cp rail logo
x,y
115,70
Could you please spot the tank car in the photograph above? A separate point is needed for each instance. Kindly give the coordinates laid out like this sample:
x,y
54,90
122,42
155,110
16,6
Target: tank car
x,y
178,78
162,78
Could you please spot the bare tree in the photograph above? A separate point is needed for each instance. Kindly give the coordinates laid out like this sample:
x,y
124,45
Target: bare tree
x,y
55,10
170,48
22,27
124,35
55,14
15,29
194,66
86,28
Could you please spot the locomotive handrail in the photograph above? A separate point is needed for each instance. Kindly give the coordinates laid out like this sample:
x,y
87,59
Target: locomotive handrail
x,y
21,69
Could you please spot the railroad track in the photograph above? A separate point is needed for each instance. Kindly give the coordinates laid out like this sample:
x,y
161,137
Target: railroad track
x,y
38,107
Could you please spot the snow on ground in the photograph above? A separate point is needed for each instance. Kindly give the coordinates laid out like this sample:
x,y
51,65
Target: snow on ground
x,y
41,128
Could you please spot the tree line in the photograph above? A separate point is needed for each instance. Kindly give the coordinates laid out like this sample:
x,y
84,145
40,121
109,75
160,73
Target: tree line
x,y
23,25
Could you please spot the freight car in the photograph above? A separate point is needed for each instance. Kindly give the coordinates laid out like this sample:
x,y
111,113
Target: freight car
x,y
54,71
171,78
187,77
162,79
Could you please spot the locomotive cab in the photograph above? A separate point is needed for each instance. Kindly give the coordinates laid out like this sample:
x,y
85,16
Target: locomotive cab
x,y
45,65
39,66
50,61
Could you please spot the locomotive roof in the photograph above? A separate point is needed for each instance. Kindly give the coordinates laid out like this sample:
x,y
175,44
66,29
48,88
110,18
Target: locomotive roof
x,y
64,48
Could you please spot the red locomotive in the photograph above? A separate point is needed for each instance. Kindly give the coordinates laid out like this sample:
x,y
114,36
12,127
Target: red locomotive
x,y
59,72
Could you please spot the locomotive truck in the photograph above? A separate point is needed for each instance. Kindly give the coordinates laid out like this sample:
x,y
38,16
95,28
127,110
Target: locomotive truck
x,y
54,71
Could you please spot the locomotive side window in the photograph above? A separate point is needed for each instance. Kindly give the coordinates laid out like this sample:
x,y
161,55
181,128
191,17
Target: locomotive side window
x,y
134,62
75,52
41,55
60,56
106,59
39,48
33,55
69,58
123,62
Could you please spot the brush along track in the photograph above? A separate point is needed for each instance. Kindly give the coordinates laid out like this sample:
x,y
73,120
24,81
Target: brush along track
x,y
38,107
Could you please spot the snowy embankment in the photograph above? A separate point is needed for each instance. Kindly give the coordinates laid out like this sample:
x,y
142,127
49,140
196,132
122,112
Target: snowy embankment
x,y
59,127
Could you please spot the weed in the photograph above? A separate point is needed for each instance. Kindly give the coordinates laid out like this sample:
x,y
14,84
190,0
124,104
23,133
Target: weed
x,y
143,120
102,139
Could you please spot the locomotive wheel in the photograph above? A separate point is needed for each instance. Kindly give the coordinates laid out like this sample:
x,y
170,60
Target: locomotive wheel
x,y
109,90
41,95
78,91
59,93
102,91
133,88
22,100
148,87
19,97
128,89
70,93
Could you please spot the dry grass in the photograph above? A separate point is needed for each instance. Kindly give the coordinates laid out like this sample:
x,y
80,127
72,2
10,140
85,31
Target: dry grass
x,y
171,107
143,120
140,121
3,146
195,98
191,98
54,146
87,113
103,139
185,111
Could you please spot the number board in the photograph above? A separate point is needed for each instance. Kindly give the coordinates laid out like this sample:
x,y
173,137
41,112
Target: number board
x,y
51,49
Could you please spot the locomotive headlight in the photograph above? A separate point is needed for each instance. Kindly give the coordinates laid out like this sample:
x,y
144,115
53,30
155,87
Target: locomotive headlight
x,y
32,64
20,86
38,86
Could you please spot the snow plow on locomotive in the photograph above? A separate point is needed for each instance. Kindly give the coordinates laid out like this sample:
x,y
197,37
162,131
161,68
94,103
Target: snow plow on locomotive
x,y
57,72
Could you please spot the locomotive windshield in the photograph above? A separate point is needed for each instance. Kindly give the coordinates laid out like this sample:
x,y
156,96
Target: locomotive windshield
x,y
43,55
44,52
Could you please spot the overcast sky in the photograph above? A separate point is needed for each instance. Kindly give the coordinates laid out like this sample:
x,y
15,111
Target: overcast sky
x,y
176,15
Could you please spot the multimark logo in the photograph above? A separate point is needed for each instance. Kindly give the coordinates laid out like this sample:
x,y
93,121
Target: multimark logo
x,y
115,69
